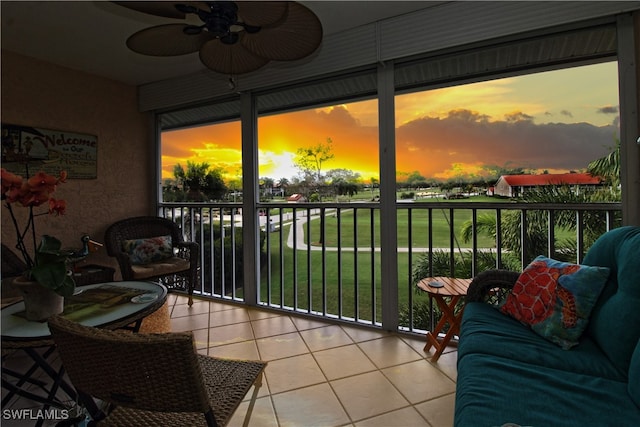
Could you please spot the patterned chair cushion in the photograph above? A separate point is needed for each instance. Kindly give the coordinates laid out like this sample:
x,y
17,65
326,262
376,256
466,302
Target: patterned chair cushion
x,y
150,250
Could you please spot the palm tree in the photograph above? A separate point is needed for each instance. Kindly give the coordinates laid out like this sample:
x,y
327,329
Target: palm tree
x,y
608,167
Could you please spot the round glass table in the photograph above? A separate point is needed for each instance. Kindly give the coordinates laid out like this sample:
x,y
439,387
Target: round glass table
x,y
111,305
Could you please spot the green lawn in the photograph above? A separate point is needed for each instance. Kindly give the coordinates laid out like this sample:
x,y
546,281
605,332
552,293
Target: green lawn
x,y
354,279
417,221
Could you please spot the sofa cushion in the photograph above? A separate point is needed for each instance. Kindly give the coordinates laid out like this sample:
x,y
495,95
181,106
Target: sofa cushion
x,y
486,330
493,391
634,375
615,321
556,298
145,251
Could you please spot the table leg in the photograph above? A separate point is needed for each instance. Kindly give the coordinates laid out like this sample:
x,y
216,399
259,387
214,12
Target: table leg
x,y
448,316
57,377
22,378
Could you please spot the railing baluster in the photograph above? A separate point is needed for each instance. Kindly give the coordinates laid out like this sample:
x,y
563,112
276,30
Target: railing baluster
x,y
309,278
295,259
233,253
551,235
452,241
339,259
474,242
499,263
580,236
323,241
356,293
372,233
524,226
410,263
283,244
430,237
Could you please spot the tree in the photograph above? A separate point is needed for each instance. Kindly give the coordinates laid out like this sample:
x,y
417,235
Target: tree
x,y
266,182
310,159
608,167
283,183
345,182
200,182
416,180
266,187
374,184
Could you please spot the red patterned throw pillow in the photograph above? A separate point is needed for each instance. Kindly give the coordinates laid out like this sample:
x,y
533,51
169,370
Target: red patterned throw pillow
x,y
555,298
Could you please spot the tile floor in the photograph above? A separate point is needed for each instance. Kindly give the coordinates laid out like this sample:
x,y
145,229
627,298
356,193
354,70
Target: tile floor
x,y
320,373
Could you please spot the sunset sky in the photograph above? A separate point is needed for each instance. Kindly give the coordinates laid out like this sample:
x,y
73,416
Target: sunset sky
x,y
558,121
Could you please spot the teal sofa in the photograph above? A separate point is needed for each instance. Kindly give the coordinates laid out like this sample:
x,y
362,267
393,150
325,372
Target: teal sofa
x,y
509,375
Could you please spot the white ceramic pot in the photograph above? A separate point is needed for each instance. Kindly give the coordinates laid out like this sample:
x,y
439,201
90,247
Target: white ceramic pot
x,y
40,303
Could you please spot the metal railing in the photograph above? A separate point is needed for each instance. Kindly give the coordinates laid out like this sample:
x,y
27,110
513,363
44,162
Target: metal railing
x,y
323,259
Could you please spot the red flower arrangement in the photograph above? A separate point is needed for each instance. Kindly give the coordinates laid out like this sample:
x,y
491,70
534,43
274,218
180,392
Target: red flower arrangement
x,y
48,265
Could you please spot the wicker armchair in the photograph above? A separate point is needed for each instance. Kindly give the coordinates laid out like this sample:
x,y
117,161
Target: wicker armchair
x,y
152,379
177,272
491,286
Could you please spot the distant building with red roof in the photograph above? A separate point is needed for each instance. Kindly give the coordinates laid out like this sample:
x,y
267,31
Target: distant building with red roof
x,y
296,198
516,185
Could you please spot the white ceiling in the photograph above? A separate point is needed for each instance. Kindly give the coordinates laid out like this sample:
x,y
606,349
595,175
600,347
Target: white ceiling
x,y
90,35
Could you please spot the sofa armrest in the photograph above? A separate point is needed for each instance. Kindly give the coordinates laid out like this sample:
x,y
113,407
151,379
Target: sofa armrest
x,y
491,286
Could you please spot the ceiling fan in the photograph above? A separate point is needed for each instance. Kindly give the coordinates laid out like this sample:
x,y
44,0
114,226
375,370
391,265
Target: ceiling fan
x,y
232,37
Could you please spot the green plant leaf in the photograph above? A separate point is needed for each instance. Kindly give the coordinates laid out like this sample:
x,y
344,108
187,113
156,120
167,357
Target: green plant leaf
x,y
50,269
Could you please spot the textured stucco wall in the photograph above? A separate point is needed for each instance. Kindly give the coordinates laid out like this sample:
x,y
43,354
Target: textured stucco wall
x,y
43,95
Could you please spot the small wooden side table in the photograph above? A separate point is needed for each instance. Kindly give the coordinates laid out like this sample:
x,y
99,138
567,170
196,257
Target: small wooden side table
x,y
442,289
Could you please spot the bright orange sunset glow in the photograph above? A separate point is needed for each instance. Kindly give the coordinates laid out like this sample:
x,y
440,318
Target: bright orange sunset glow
x,y
556,121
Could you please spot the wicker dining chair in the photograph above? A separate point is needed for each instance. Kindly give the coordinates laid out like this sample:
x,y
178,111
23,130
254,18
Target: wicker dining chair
x,y
177,271
152,379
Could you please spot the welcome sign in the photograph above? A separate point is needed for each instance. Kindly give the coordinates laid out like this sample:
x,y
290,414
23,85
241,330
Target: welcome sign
x,y
50,151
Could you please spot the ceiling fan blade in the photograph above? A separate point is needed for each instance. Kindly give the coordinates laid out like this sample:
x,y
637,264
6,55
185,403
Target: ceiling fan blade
x,y
259,13
167,40
298,35
165,9
230,59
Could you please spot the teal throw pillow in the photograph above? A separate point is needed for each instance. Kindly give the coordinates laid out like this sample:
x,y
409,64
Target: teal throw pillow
x,y
146,251
555,298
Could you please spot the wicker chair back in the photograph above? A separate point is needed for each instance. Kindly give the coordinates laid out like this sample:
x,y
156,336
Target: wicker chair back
x,y
173,276
153,379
